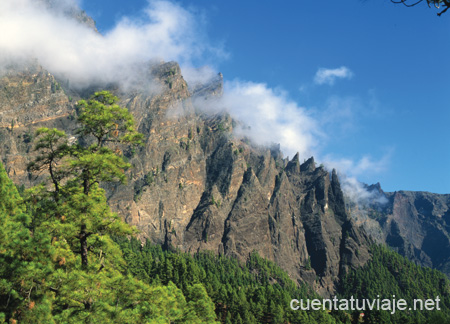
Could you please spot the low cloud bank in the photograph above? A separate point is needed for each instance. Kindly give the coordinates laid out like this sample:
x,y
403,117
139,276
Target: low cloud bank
x,y
271,117
73,50
267,116
359,193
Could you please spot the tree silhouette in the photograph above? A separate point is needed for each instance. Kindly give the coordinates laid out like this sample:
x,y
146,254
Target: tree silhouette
x,y
445,4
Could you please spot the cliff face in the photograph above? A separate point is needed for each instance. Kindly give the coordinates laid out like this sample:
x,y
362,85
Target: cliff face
x,y
193,185
416,224
29,97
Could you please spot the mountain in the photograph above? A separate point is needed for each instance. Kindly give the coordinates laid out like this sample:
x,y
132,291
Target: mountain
x,y
415,224
193,185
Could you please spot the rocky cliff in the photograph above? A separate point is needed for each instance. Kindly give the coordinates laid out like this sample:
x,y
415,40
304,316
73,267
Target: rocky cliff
x,y
416,224
193,185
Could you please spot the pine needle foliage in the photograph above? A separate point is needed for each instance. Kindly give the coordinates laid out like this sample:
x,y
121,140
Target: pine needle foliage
x,y
58,263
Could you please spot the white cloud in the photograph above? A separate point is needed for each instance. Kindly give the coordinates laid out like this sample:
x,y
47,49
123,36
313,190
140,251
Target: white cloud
x,y
329,76
74,51
358,193
269,116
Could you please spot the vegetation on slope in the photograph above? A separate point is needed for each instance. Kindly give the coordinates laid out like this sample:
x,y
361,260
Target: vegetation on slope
x,y
255,292
389,274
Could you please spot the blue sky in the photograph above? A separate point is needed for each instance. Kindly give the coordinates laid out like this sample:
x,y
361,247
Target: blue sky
x,y
386,119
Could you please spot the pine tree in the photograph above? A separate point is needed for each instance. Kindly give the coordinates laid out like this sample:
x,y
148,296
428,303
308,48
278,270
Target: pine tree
x,y
58,262
76,171
201,304
24,260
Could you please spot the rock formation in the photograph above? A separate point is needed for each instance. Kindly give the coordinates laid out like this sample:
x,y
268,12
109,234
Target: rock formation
x,y
416,224
193,185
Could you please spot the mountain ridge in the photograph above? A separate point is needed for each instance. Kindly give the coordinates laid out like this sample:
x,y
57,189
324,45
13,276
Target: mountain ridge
x,y
195,186
414,223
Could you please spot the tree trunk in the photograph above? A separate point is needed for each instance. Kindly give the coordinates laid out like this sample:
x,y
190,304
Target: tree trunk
x,y
83,234
84,247
54,180
86,185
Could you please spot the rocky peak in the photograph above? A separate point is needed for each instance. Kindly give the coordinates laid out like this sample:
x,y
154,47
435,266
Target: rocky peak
x,y
69,10
212,88
293,166
308,165
169,74
375,188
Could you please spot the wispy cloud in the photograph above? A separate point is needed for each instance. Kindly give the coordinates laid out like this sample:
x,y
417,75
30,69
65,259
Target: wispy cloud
x,y
363,166
341,114
329,76
344,116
